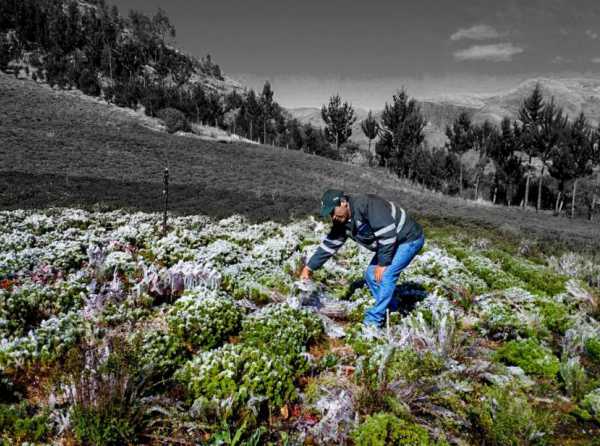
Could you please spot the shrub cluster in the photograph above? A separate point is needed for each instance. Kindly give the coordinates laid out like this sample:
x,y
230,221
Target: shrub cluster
x,y
532,357
204,322
283,331
239,372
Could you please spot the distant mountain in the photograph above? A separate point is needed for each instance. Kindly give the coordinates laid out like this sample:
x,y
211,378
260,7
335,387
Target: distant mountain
x,y
573,95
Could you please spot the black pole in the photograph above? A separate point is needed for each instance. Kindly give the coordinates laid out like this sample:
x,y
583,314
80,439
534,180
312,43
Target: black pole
x,y
166,199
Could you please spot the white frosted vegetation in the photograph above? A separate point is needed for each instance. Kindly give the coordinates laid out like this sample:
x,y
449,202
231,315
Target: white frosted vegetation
x,y
185,295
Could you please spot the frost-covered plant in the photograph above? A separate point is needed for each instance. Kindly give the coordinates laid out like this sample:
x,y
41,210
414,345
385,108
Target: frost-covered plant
x,y
574,377
501,320
106,388
171,249
238,372
119,260
65,254
388,363
504,417
47,343
27,305
382,429
577,266
591,403
582,329
204,322
160,348
191,275
434,326
281,330
532,357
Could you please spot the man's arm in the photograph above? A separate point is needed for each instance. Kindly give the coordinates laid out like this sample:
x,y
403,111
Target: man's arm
x,y
328,247
383,225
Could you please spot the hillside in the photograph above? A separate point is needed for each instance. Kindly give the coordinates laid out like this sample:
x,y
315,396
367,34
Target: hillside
x,y
60,149
573,95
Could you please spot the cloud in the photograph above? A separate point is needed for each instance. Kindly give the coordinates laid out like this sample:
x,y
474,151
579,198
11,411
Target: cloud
x,y
476,32
561,60
497,52
591,34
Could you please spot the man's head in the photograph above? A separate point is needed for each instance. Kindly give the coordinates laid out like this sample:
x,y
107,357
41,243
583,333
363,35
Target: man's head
x,y
334,204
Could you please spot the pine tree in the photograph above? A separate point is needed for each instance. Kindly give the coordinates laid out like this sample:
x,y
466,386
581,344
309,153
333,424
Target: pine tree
x,y
460,139
267,107
507,164
401,132
583,150
484,138
550,137
370,128
338,118
530,115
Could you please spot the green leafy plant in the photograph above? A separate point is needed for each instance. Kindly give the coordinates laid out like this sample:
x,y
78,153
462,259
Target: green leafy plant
x,y
238,372
504,417
382,429
532,357
592,349
555,316
21,423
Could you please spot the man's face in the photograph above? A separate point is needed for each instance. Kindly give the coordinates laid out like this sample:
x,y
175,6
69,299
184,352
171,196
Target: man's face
x,y
341,213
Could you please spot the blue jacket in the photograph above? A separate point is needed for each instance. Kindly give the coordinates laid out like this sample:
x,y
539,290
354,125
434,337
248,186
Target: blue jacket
x,y
375,223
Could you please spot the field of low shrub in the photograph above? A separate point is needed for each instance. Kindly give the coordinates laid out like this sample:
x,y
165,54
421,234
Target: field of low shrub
x,y
112,332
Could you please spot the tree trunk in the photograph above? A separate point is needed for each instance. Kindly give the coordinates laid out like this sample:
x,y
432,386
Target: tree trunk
x,y
538,205
573,198
556,203
508,193
527,180
495,192
251,125
477,187
460,179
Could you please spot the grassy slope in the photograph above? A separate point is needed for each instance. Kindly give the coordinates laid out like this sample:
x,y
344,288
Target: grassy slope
x,y
60,149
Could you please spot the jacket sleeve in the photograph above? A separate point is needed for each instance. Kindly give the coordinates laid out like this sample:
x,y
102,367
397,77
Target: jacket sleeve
x,y
383,225
328,247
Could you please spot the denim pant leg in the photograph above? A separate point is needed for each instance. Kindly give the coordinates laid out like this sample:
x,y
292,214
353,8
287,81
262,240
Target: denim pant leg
x,y
385,292
370,277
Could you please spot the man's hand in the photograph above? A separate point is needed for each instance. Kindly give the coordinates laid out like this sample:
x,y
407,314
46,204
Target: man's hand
x,y
305,273
379,270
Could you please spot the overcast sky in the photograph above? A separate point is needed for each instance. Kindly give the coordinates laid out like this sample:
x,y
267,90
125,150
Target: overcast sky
x,y
310,49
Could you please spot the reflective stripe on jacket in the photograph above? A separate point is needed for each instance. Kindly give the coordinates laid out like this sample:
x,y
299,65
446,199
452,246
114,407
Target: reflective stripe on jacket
x,y
375,223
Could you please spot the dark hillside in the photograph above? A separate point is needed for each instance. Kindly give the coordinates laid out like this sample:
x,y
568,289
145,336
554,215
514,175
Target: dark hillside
x,y
60,149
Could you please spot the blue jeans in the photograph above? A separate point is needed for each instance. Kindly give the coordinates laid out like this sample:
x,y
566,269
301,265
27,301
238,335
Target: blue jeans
x,y
383,291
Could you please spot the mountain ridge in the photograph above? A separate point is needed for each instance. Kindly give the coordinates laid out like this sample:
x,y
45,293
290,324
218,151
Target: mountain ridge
x,y
574,95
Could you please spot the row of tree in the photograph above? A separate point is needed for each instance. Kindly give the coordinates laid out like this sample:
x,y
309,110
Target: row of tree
x,y
506,156
566,150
